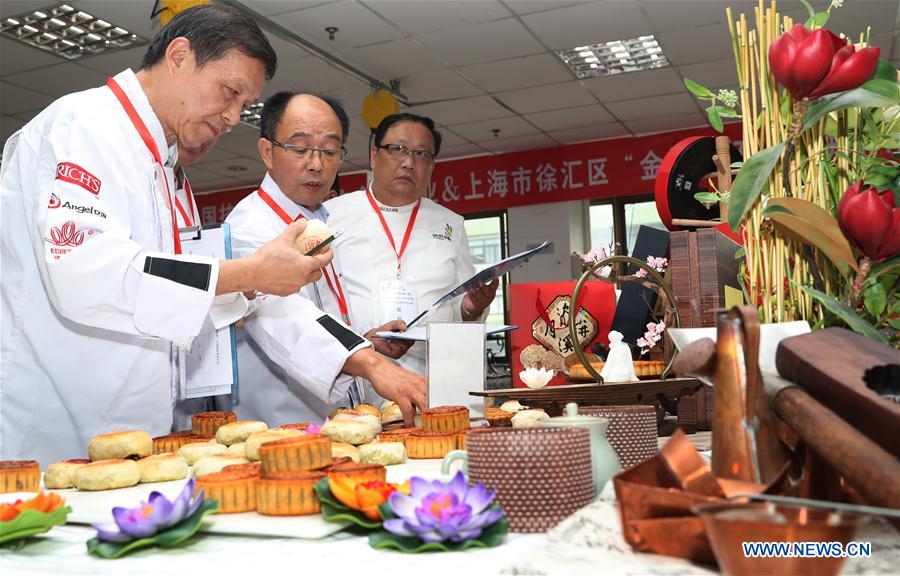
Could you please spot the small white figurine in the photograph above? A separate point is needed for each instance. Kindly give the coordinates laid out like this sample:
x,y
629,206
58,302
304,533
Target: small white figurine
x,y
536,377
619,366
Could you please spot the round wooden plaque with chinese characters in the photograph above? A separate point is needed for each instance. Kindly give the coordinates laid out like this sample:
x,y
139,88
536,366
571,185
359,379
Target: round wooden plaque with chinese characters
x,y
556,334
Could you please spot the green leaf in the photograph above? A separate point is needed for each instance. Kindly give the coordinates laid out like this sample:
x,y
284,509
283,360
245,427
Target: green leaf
x,y
877,93
892,265
714,119
749,183
817,20
706,197
334,511
31,522
809,8
739,253
807,223
846,314
885,71
491,536
697,90
875,299
174,536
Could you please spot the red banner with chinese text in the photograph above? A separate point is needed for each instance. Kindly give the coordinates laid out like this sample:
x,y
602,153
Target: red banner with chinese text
x,y
603,169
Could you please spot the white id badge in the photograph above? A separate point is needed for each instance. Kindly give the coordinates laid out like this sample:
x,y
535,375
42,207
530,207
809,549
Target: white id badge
x,y
398,300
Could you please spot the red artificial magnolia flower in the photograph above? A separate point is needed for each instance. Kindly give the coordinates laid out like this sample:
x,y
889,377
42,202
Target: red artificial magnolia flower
x,y
813,63
869,219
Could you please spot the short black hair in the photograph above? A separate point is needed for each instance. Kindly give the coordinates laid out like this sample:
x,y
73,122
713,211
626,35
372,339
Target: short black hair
x,y
407,117
213,30
273,111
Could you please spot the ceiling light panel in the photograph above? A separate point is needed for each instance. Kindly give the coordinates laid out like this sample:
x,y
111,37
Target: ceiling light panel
x,y
251,114
616,57
68,32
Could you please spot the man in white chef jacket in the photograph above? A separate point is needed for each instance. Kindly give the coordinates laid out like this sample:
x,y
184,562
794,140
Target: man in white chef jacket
x,y
96,296
296,355
400,251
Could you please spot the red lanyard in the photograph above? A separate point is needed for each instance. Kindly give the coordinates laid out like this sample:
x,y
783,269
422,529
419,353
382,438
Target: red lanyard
x,y
335,285
186,214
151,146
387,231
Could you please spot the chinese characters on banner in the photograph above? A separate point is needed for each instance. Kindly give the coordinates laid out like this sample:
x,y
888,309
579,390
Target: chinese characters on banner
x,y
604,169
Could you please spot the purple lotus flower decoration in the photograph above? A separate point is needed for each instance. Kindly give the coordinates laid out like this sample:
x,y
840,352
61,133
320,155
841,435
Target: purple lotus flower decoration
x,y
440,511
153,516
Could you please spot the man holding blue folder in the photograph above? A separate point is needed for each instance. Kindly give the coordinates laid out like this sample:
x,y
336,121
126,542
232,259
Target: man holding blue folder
x,y
401,252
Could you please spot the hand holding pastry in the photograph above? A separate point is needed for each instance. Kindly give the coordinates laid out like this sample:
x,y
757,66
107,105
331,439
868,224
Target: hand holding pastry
x,y
390,381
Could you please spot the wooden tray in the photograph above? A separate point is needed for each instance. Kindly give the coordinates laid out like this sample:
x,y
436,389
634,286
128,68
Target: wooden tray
x,y
554,398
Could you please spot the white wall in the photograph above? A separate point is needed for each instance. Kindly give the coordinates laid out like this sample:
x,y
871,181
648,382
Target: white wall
x,y
565,224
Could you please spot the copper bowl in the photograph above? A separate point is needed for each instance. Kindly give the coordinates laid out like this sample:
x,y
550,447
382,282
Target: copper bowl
x,y
728,525
541,475
631,432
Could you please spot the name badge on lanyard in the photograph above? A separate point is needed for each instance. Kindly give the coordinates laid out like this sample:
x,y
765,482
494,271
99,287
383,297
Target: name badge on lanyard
x,y
398,300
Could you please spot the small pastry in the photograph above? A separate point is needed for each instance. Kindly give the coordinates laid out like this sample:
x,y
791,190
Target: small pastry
x,y
397,434
298,426
288,494
107,475
337,462
193,452
19,476
446,419
358,472
367,409
208,423
528,418
162,468
60,475
498,417
212,464
343,450
386,453
237,449
120,444
351,431
461,440
253,467
172,442
306,452
337,411
314,234
512,406
235,490
371,420
239,431
390,412
430,444
257,439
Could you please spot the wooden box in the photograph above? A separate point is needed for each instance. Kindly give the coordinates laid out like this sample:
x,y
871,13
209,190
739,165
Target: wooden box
x,y
701,265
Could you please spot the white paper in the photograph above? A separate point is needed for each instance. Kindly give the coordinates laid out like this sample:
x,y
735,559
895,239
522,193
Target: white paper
x,y
209,367
420,333
456,364
398,300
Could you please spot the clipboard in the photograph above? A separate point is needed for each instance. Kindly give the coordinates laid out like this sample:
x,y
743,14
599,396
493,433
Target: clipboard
x,y
420,334
210,367
485,276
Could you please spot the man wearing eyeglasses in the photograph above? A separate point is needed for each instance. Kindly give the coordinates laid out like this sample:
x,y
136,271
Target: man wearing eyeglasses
x,y
401,251
298,355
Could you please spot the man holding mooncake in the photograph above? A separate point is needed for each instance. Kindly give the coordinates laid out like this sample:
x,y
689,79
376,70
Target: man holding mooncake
x,y
298,354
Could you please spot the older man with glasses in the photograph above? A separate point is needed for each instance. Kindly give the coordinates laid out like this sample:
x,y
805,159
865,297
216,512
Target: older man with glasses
x,y
298,355
401,251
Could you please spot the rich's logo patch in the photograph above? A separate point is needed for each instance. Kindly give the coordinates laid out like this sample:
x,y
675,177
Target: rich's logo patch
x,y
75,174
54,201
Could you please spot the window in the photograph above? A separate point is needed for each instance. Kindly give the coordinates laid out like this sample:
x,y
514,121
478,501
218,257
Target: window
x,y
639,214
620,219
487,242
603,232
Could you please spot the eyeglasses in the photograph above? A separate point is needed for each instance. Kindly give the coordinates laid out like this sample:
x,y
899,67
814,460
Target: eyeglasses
x,y
400,151
330,155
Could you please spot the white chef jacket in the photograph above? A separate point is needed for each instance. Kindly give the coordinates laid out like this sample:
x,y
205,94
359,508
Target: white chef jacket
x,y
291,349
436,260
93,297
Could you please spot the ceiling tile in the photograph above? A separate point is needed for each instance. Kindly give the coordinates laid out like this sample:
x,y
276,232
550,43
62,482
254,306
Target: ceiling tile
x,y
240,143
513,126
16,100
653,107
221,167
653,125
532,6
550,97
462,111
8,126
482,42
58,80
589,133
134,16
852,19
272,7
114,62
588,24
437,84
17,57
533,142
461,151
665,15
392,59
357,26
439,15
451,138
713,75
570,118
518,72
307,75
635,84
216,154
17,7
692,45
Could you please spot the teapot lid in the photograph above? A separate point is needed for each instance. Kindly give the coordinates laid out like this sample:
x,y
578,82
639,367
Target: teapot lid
x,y
573,417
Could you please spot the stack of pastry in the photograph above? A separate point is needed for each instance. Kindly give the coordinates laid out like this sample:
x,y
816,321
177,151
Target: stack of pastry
x,y
642,368
288,493
208,423
296,454
234,488
19,476
172,442
443,429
